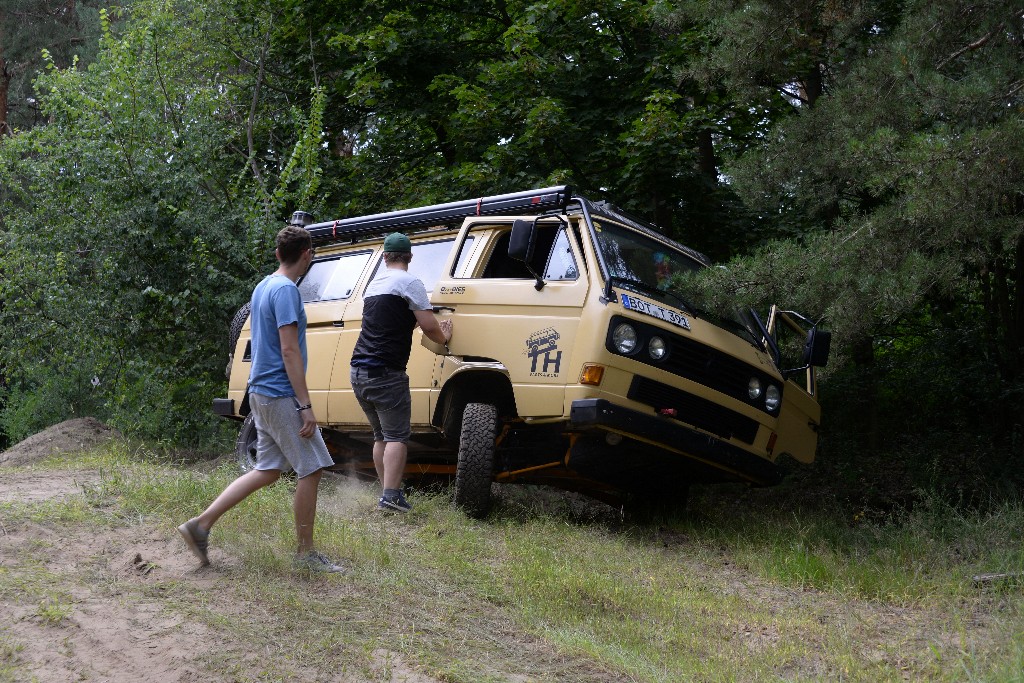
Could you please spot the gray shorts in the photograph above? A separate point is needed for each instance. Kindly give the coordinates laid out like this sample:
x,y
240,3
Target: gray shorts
x,y
278,444
386,401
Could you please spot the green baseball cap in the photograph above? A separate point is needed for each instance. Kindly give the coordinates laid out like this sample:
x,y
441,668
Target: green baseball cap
x,y
398,242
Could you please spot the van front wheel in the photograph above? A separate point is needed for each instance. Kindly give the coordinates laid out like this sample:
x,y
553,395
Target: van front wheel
x,y
475,469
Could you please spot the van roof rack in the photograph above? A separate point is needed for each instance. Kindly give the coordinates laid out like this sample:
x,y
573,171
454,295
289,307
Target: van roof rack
x,y
529,201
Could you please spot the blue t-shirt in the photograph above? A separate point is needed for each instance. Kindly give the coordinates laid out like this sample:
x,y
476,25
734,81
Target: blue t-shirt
x,y
275,303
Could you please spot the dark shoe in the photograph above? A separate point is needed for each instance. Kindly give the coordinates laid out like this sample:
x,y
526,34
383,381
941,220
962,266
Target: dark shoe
x,y
315,561
396,504
196,539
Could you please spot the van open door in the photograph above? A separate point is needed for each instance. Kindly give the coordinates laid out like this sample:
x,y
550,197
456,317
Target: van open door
x,y
802,348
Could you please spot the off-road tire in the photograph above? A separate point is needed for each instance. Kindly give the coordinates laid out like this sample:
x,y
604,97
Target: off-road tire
x,y
245,446
234,332
475,469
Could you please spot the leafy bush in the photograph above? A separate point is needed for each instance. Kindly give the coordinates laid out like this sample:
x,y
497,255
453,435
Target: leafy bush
x,y
132,229
43,399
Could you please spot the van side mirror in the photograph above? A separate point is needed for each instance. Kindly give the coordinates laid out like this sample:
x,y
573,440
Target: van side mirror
x,y
521,243
520,247
817,347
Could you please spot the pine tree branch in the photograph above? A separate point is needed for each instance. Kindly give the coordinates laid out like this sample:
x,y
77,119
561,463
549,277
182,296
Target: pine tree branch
x,y
978,44
792,95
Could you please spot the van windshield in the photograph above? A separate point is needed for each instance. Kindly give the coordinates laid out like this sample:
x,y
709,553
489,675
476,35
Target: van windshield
x,y
648,266
638,259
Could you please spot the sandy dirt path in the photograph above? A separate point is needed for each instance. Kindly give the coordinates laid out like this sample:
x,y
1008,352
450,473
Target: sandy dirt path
x,y
101,615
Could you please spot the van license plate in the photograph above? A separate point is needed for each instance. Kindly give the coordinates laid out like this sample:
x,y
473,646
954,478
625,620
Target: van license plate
x,y
655,311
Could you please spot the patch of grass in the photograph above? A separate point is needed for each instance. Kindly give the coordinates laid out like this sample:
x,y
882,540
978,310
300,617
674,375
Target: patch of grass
x,y
53,610
1003,663
11,669
656,615
76,509
925,554
72,510
549,589
108,456
28,580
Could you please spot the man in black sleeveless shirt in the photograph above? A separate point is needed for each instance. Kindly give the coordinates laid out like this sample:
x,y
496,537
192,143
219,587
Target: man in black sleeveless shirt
x,y
393,304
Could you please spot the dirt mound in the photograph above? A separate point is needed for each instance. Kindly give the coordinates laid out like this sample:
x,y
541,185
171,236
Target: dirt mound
x,y
71,436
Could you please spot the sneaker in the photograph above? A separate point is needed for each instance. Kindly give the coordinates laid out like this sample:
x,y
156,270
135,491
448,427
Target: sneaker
x,y
196,539
316,561
397,504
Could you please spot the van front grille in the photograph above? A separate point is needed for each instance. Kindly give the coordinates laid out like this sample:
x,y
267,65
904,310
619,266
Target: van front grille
x,y
693,410
697,362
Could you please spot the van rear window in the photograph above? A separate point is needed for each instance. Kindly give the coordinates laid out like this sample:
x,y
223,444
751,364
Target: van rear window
x,y
333,278
428,258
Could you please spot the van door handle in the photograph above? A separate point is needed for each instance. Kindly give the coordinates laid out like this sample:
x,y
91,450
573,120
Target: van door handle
x,y
339,323
438,309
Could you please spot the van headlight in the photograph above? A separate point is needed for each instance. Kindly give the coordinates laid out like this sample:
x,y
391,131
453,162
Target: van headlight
x,y
754,388
657,348
772,398
624,338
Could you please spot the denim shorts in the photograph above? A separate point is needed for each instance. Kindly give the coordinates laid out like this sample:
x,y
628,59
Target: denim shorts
x,y
386,401
278,444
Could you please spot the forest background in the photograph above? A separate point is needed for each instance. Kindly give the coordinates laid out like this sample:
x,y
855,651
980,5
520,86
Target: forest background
x,y
861,162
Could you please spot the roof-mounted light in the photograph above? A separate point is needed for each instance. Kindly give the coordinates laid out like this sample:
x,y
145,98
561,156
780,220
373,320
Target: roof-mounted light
x,y
301,219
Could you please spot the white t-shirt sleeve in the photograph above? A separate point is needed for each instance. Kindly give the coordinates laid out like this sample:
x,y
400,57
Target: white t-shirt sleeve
x,y
416,294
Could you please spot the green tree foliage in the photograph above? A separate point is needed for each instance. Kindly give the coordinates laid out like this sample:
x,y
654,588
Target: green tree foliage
x,y
898,187
903,178
438,101
137,222
862,161
67,30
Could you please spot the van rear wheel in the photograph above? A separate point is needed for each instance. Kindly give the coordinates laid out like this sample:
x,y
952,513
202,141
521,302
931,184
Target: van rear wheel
x,y
234,332
475,469
245,446
237,323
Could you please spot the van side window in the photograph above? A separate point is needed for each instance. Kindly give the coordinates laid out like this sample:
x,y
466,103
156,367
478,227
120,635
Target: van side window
x,y
561,263
499,265
428,259
552,257
332,278
465,249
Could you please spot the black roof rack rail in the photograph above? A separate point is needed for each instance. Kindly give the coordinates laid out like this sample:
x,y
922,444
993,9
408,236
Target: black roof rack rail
x,y
529,201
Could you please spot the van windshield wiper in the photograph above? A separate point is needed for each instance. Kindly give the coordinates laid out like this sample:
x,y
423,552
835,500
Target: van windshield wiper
x,y
649,289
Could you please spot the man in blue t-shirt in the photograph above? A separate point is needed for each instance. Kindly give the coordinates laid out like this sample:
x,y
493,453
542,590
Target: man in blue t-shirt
x,y
287,434
393,305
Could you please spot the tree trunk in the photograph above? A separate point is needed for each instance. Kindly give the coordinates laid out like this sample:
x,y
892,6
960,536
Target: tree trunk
x,y
706,155
5,86
5,80
811,86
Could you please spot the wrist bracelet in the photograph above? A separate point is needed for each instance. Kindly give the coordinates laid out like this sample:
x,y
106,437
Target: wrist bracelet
x,y
308,406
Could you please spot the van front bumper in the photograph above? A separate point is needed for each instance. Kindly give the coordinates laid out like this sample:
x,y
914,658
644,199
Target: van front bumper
x,y
666,433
